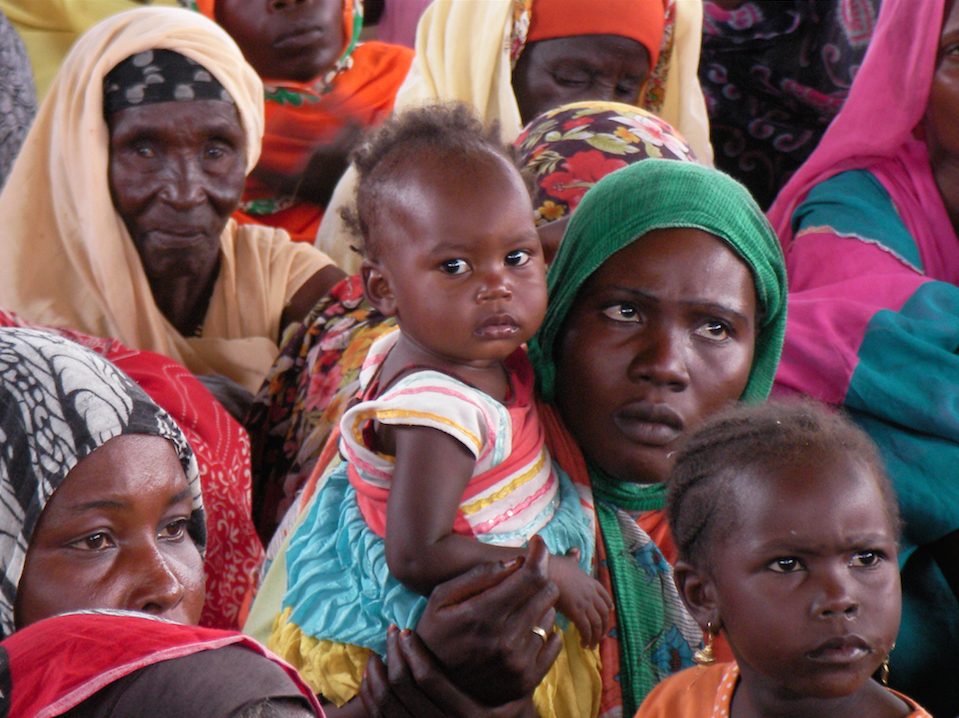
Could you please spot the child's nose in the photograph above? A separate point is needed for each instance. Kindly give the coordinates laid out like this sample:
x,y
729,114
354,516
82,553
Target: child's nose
x,y
837,597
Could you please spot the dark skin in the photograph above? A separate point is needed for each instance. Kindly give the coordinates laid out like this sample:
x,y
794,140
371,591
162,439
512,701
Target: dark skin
x,y
554,72
939,131
460,663
805,588
299,41
176,175
447,266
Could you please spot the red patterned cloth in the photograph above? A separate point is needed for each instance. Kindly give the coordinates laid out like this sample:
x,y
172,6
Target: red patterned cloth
x,y
222,448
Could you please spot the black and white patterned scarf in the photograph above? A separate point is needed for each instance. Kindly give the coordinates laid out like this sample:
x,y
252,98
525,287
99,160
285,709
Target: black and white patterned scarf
x,y
58,403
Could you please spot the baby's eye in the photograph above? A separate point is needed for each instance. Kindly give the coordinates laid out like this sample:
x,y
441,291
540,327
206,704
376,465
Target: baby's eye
x,y
714,330
517,258
622,313
175,530
454,266
93,542
864,559
788,564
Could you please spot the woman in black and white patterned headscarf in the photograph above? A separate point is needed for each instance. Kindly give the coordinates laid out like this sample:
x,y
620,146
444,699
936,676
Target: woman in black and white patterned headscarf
x,y
95,512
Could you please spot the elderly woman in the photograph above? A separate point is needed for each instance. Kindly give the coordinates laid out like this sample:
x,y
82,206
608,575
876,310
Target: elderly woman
x,y
870,227
667,302
513,61
117,212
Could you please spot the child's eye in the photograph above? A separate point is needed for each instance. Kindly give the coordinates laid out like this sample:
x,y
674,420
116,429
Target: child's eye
x,y
715,330
622,313
788,564
864,559
517,258
454,266
94,542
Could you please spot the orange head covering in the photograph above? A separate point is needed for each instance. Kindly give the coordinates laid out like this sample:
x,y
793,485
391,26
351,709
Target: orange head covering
x,y
640,20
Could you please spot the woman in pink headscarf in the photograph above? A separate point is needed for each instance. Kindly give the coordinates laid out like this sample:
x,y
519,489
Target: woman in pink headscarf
x,y
869,227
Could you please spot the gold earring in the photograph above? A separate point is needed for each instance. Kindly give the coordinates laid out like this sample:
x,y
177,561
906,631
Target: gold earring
x,y
884,667
704,656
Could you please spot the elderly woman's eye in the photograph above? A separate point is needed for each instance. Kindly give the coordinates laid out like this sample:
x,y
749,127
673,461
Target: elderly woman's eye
x,y
622,313
454,266
93,542
215,152
714,330
146,152
517,258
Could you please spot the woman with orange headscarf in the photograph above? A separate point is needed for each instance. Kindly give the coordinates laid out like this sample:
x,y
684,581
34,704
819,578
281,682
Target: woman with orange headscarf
x,y
322,87
515,59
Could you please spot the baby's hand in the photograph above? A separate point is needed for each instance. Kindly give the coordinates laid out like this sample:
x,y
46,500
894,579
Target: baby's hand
x,y
582,599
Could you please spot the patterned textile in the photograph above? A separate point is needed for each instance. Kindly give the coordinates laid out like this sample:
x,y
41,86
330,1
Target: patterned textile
x,y
158,76
707,692
873,262
60,402
18,98
123,663
566,151
513,492
774,75
300,116
222,449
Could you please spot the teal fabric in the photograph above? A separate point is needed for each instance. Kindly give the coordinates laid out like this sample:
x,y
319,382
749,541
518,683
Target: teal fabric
x,y
339,585
855,204
660,194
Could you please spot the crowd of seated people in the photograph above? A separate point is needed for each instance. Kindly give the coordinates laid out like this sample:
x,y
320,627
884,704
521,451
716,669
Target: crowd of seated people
x,y
561,358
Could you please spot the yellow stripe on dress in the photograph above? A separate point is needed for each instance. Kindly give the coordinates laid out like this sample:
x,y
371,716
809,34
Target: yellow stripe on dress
x,y
525,477
364,416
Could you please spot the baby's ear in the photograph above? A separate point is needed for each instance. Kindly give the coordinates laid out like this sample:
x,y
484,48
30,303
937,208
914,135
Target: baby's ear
x,y
698,593
376,287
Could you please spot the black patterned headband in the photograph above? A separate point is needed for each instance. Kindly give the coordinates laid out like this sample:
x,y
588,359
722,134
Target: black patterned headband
x,y
158,76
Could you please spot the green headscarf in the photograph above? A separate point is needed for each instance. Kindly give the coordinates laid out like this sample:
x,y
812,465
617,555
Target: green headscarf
x,y
618,210
659,194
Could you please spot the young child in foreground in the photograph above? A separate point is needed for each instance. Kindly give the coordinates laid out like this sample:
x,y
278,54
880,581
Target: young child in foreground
x,y
445,449
787,527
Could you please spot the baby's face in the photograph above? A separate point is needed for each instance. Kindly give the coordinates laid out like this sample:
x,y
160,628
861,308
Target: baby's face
x,y
808,580
464,262
285,39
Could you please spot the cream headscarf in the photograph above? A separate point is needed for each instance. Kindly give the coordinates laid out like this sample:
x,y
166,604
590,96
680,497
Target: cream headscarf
x,y
68,259
463,50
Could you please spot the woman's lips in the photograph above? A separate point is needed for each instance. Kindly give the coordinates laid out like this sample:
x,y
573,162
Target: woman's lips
x,y
648,423
841,650
301,37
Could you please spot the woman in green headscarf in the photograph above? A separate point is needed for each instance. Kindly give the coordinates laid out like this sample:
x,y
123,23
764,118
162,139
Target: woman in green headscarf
x,y
667,301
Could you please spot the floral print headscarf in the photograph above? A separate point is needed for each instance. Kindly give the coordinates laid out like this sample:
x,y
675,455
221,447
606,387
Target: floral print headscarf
x,y
565,151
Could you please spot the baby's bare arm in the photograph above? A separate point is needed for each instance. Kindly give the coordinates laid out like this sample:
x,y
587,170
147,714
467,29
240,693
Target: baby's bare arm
x,y
430,475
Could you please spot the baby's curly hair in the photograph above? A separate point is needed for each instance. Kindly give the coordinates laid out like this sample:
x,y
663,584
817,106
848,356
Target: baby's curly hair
x,y
445,133
700,492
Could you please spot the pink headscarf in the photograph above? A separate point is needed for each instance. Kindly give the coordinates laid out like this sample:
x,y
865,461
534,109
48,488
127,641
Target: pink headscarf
x,y
874,131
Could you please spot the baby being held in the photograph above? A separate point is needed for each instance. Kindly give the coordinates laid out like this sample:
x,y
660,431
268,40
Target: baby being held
x,y
445,449
787,528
